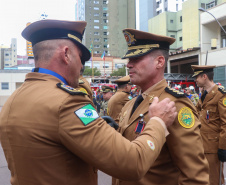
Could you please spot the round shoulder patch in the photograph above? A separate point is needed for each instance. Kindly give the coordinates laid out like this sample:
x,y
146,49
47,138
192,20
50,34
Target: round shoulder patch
x,y
186,117
151,145
224,101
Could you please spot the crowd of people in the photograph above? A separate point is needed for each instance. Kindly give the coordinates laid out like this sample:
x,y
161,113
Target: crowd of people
x,y
54,131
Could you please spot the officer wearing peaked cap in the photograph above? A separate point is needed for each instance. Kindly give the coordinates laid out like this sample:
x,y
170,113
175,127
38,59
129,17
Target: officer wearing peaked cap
x,y
119,99
178,162
107,94
212,114
49,129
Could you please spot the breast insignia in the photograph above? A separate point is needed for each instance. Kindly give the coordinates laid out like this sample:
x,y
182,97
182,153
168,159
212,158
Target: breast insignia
x,y
174,92
71,90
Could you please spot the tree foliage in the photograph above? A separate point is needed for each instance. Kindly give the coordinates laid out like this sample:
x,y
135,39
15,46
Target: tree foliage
x,y
119,72
88,71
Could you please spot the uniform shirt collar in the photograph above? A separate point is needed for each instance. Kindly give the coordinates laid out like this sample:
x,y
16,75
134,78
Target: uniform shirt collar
x,y
147,92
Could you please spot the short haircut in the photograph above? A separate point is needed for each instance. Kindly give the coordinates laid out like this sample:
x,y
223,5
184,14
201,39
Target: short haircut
x,y
209,75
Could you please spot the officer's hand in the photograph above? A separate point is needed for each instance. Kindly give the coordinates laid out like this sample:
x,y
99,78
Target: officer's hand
x,y
222,155
111,122
164,109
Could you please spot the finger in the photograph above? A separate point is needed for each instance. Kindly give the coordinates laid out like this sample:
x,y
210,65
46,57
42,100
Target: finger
x,y
171,104
165,101
155,100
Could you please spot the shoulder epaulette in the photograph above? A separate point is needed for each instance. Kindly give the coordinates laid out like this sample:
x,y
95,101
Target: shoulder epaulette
x,y
71,90
222,90
81,81
174,92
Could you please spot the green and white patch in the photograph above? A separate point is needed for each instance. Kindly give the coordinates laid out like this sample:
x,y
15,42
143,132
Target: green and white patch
x,y
87,114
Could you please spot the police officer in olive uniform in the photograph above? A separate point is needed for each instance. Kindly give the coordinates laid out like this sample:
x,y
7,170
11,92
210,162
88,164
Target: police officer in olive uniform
x,y
120,98
49,129
182,159
212,114
107,94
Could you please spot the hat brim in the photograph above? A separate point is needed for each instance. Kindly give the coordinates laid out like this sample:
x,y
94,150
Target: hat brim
x,y
137,53
75,26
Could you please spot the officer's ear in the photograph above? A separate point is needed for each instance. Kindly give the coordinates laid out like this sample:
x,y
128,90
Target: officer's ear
x,y
160,62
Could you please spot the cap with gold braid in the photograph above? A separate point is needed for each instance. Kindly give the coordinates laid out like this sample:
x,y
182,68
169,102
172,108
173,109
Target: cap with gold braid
x,y
123,80
141,43
56,29
200,69
107,89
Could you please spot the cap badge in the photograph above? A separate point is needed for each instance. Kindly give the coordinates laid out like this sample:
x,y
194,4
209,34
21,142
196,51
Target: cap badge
x,y
186,117
129,38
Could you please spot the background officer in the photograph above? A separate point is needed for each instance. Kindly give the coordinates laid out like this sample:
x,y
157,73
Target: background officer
x,y
119,99
107,94
182,159
212,114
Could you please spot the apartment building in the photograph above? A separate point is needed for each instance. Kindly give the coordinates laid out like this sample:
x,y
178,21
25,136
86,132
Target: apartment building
x,y
105,22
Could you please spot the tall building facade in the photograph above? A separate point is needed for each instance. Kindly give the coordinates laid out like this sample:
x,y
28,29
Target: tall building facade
x,y
182,25
8,56
105,22
147,9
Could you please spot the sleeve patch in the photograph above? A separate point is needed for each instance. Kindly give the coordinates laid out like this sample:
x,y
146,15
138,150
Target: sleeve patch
x,y
174,92
224,102
87,114
71,90
186,117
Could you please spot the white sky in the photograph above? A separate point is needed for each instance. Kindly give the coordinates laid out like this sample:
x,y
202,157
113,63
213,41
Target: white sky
x,y
15,14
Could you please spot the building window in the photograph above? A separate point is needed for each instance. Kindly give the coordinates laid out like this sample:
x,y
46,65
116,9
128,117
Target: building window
x,y
210,5
176,7
96,27
166,9
5,85
203,5
180,38
173,36
105,8
171,21
97,40
105,21
96,14
96,33
105,39
105,46
105,14
106,65
105,2
96,2
96,21
180,18
96,8
105,27
105,33
96,46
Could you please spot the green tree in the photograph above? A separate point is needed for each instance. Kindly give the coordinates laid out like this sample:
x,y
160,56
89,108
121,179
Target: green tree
x,y
119,72
88,71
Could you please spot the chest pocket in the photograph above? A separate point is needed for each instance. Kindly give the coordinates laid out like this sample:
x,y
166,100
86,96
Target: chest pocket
x,y
212,111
